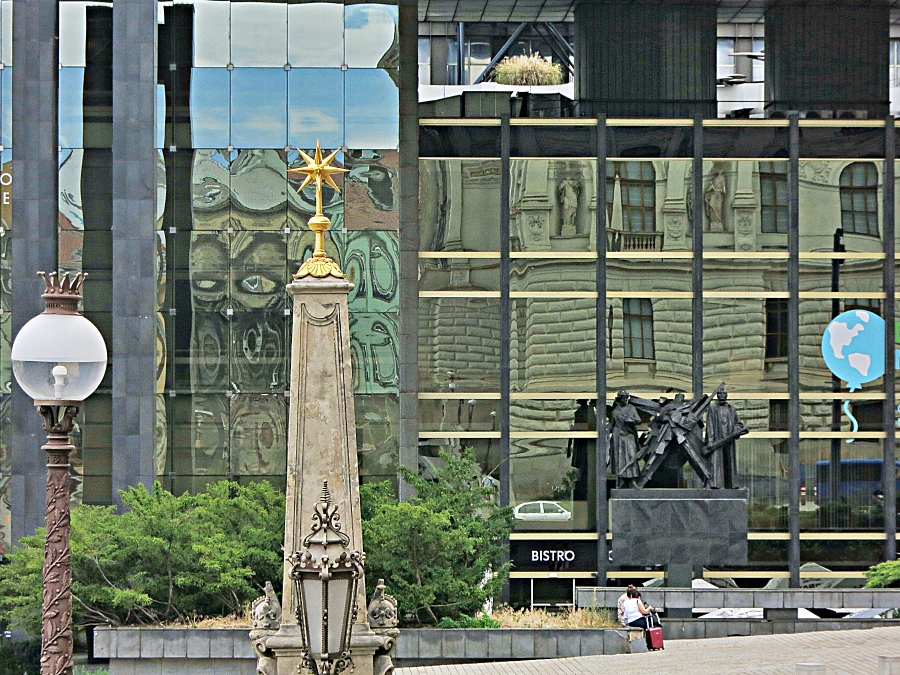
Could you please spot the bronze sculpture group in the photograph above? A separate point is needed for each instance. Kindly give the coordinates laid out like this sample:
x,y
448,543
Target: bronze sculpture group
x,y
677,434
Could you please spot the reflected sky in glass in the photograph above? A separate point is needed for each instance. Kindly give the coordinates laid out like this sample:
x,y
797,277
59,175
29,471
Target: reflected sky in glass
x,y
210,90
6,32
212,46
160,115
72,29
258,112
6,105
70,162
369,33
258,34
71,119
316,35
316,107
372,113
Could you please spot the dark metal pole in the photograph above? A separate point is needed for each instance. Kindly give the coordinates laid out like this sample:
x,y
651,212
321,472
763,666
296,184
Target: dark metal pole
x,y
834,465
505,325
460,53
602,505
56,626
890,399
697,265
794,351
500,54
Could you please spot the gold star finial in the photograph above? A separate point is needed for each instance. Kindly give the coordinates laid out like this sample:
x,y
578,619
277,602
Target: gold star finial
x,y
318,170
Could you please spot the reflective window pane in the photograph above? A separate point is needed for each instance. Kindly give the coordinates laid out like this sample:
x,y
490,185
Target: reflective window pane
x,y
258,113
371,34
315,107
212,28
319,48
372,111
72,33
210,107
71,116
372,190
258,34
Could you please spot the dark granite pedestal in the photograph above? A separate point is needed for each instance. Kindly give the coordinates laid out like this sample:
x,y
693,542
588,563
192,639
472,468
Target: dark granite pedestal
x,y
680,529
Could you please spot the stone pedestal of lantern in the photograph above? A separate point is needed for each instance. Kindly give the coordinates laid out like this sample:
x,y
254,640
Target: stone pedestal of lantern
x,y
321,447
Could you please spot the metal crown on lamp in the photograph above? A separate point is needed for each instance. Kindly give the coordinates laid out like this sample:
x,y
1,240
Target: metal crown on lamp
x,y
326,575
59,359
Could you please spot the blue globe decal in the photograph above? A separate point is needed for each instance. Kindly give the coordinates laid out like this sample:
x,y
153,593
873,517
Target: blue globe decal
x,y
853,347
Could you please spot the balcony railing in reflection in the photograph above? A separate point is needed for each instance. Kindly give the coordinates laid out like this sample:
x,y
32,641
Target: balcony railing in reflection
x,y
620,240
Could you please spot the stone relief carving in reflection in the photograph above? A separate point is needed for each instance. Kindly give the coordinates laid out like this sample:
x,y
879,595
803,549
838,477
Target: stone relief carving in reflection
x,y
374,346
371,190
209,425
258,435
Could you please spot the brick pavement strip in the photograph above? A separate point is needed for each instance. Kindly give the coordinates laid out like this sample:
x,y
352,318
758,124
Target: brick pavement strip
x,y
844,652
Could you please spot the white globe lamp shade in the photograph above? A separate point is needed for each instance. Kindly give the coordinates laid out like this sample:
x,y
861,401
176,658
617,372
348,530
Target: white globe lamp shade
x,y
59,357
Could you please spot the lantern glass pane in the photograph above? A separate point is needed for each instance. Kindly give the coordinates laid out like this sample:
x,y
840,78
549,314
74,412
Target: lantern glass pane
x,y
312,603
338,590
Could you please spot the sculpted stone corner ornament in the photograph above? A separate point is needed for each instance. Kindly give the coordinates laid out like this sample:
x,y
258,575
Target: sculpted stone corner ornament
x,y
318,171
265,615
384,620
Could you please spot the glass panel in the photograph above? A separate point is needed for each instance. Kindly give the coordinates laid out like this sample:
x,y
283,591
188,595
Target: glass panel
x,y
375,346
258,114
461,142
841,142
6,32
258,34
763,469
745,344
200,435
459,413
553,344
745,141
649,142
556,476
851,498
320,117
72,33
372,38
212,33
258,434
372,109
850,346
463,344
553,205
649,346
460,205
372,190
443,274
323,47
840,194
377,434
71,117
210,107
545,141
6,102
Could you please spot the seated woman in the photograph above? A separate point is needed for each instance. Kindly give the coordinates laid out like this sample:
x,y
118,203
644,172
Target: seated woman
x,y
637,614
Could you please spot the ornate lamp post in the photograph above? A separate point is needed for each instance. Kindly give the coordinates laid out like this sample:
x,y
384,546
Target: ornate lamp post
x,y
59,359
326,575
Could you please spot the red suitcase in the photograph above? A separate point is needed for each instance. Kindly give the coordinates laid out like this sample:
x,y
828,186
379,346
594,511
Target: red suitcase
x,y
654,638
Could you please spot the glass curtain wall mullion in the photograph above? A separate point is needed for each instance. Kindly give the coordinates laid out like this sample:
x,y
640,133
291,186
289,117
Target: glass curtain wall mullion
x,y
889,279
793,312
697,266
602,503
505,329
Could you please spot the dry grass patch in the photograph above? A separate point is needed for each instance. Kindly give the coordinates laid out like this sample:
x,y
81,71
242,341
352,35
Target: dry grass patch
x,y
570,618
527,70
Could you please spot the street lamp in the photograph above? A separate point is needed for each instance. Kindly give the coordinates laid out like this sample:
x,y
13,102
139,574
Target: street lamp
x,y
59,359
326,578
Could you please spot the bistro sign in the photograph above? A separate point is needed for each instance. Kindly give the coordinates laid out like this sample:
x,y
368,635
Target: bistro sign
x,y
552,556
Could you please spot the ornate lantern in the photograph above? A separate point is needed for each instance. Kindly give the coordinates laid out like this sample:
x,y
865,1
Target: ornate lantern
x,y
326,577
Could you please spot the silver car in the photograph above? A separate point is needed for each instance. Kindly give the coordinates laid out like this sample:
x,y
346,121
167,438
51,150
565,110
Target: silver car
x,y
541,511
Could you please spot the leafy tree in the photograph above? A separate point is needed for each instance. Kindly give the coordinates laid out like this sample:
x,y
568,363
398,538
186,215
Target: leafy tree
x,y
438,552
884,575
164,558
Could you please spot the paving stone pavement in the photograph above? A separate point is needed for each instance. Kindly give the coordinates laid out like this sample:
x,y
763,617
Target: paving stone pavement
x,y
845,652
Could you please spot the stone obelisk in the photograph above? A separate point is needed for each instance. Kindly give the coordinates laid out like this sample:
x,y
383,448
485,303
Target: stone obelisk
x,y
321,426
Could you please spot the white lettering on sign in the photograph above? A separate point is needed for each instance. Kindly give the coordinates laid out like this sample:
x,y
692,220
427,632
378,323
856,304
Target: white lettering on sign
x,y
5,181
552,556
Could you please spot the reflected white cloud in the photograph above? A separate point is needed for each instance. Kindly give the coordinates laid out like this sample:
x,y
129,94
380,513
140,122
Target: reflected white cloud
x,y
71,120
369,34
316,107
258,112
316,35
210,109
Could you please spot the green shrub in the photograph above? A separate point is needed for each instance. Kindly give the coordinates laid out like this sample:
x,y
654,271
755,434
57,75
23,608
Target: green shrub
x,y
165,558
527,69
466,621
20,658
438,553
884,575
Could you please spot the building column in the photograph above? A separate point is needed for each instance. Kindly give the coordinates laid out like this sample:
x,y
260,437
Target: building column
x,y
828,55
650,58
35,195
134,243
